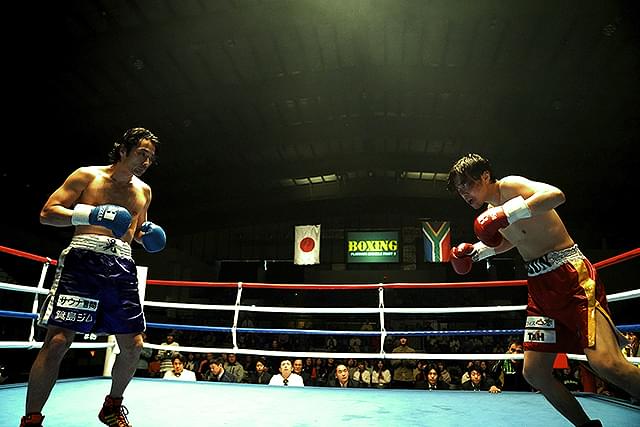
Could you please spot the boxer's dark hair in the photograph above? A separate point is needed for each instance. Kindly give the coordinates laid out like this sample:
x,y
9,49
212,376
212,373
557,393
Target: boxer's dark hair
x,y
130,140
468,168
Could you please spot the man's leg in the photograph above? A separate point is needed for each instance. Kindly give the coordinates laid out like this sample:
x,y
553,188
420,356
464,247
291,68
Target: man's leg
x,y
44,371
607,359
125,365
538,371
113,413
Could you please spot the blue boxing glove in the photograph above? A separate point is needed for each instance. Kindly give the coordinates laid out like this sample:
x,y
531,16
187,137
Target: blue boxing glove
x,y
115,218
154,238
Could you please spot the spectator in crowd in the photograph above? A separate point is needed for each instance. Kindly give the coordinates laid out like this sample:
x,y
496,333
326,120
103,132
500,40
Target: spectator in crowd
x,y
298,369
354,344
217,373
286,377
429,379
262,374
319,373
191,363
331,344
381,375
235,368
166,355
154,367
403,368
631,349
445,376
477,382
507,374
569,377
362,375
203,368
178,372
342,377
467,370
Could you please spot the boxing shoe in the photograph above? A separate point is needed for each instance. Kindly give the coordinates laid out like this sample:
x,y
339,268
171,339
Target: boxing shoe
x,y
113,413
32,420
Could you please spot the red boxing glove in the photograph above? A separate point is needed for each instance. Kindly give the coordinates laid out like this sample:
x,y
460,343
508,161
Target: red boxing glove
x,y
461,260
488,224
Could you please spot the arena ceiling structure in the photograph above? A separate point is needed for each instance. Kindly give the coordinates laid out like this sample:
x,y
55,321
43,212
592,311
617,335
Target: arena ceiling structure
x,y
275,108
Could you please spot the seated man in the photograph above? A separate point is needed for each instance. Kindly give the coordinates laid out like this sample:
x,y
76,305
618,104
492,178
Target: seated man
x,y
217,373
178,372
286,377
477,382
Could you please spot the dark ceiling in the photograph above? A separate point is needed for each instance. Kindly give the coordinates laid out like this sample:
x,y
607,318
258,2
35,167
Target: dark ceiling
x,y
251,98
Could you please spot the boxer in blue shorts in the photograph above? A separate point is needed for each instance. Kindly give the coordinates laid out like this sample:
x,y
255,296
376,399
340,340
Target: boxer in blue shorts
x,y
95,289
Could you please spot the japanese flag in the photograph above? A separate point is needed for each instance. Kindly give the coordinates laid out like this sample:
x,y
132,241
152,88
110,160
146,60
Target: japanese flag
x,y
306,249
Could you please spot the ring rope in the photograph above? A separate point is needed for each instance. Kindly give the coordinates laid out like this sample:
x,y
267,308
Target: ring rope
x,y
381,310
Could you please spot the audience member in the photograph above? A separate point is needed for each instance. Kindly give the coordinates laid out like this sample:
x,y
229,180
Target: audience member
x,y
286,377
569,377
262,374
298,369
507,373
403,368
235,368
166,356
342,377
217,373
429,379
362,375
445,376
381,375
477,382
178,372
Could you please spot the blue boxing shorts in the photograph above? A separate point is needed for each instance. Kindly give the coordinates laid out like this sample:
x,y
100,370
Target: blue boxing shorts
x,y
95,289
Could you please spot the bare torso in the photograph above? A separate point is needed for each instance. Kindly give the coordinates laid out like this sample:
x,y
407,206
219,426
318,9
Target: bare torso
x,y
99,185
538,235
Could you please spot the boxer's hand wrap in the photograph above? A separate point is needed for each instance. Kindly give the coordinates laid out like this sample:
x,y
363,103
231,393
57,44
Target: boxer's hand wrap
x,y
481,251
115,218
516,209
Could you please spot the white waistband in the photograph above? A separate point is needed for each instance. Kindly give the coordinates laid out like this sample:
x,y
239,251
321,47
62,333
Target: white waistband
x,y
102,244
553,260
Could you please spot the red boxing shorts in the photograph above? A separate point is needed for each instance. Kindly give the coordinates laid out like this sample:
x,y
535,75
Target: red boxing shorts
x,y
564,294
95,289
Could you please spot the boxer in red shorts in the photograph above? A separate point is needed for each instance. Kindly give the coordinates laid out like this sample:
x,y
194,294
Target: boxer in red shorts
x,y
567,308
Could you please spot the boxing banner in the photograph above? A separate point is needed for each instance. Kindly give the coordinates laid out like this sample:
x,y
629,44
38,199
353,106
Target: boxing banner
x,y
437,240
306,249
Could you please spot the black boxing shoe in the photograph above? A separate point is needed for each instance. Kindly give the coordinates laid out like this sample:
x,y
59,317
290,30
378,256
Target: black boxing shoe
x,y
32,420
113,413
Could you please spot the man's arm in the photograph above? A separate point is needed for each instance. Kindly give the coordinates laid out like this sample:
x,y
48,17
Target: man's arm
x,y
57,211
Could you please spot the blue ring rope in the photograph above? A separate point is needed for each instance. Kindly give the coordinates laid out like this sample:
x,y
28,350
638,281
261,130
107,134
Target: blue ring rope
x,y
473,332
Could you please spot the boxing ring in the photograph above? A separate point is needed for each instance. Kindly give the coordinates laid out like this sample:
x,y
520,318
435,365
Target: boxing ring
x,y
157,401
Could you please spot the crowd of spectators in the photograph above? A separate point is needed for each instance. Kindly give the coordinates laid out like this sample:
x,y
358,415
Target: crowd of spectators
x,y
477,375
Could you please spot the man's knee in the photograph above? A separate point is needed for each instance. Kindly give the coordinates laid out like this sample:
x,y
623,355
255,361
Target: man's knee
x,y
60,341
132,345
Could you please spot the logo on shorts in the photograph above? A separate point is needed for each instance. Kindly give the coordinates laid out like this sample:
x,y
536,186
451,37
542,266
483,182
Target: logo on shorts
x,y
76,302
540,336
540,322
